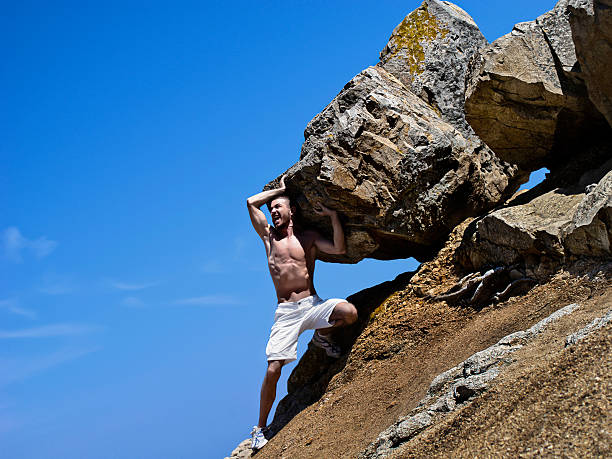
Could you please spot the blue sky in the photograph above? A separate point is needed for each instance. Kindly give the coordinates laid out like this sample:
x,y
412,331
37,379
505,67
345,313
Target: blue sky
x,y
135,302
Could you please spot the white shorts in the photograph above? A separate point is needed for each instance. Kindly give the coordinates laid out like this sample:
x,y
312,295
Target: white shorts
x,y
291,319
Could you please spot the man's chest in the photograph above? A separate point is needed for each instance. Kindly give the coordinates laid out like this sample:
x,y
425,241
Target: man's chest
x,y
290,248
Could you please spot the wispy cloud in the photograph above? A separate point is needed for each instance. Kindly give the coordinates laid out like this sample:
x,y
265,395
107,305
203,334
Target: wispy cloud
x,y
47,331
132,302
15,370
239,255
131,286
56,284
14,244
208,300
12,305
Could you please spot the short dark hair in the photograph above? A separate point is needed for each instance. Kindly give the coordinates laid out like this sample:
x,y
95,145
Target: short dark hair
x,y
269,203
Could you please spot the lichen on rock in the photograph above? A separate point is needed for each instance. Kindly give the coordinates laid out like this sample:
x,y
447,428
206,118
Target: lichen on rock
x,y
429,52
409,37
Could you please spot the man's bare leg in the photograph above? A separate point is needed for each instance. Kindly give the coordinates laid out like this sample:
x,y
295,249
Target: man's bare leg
x,y
268,390
343,314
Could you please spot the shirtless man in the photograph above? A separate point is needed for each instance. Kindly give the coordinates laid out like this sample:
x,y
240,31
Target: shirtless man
x,y
291,253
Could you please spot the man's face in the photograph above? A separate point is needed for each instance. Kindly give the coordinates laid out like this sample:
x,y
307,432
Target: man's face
x,y
280,211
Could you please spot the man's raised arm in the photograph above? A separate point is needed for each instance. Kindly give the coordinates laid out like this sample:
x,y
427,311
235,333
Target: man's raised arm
x,y
338,247
258,218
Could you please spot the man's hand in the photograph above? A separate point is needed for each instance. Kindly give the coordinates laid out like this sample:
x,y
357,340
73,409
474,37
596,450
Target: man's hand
x,y
282,182
320,209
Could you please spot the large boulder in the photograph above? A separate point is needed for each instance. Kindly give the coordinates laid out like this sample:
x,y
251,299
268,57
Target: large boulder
x,y
590,232
429,52
546,230
591,24
527,234
401,176
526,97
393,153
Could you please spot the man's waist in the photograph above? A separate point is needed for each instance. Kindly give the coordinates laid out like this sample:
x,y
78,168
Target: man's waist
x,y
309,298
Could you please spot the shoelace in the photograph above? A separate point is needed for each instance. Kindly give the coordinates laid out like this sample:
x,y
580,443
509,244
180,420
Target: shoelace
x,y
326,341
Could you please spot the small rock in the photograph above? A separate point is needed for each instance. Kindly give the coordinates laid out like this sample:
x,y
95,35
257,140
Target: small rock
x,y
412,425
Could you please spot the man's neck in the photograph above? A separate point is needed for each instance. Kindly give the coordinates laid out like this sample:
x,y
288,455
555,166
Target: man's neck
x,y
285,231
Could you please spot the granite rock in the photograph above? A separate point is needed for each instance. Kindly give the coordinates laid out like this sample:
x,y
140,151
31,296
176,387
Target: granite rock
x,y
526,97
591,25
545,231
242,451
458,386
429,52
400,176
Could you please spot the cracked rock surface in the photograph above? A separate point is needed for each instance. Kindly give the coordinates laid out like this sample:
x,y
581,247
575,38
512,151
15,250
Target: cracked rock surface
x,y
591,24
546,230
526,96
392,152
429,52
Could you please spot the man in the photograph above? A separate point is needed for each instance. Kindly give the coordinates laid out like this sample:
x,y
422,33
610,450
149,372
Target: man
x,y
291,253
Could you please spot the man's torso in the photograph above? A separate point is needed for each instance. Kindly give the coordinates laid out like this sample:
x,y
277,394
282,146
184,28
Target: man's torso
x,y
291,261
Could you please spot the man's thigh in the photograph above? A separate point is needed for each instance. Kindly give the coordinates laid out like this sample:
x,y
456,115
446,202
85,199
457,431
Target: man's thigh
x,y
319,315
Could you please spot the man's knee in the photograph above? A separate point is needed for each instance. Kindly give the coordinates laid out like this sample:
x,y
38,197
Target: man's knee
x,y
347,312
274,369
351,314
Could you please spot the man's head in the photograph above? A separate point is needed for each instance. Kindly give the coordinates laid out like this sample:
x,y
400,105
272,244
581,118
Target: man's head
x,y
281,211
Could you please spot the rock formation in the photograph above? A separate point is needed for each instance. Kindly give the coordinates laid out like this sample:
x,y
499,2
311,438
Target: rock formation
x,y
429,52
591,24
389,161
399,174
526,96
393,154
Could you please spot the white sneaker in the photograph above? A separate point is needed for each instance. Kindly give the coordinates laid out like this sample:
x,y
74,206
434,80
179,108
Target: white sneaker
x,y
258,440
324,342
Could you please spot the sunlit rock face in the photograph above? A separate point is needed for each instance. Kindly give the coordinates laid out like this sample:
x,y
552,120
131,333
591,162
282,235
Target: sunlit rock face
x,y
392,152
401,177
546,231
526,95
429,52
534,96
591,24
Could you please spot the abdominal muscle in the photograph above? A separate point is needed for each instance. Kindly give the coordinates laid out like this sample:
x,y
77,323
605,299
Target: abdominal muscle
x,y
290,274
